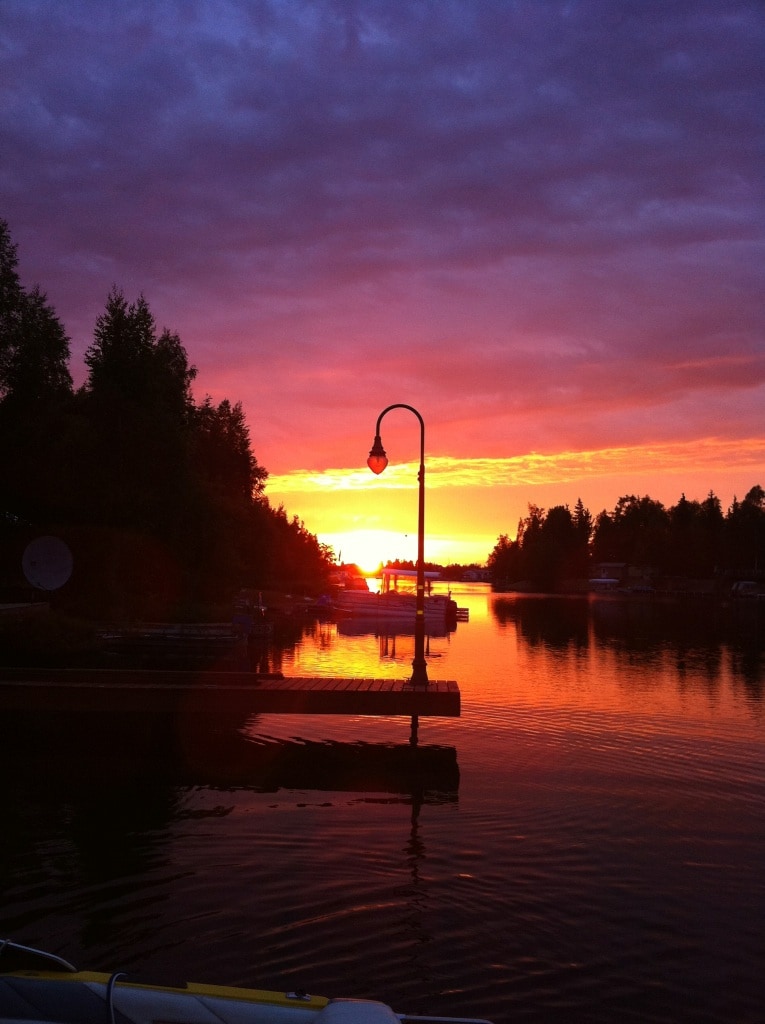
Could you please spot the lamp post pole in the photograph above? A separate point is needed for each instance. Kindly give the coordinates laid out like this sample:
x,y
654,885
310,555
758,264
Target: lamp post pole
x,y
377,462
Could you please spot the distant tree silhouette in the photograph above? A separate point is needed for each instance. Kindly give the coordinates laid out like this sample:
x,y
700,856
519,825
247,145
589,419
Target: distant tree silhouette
x,y
638,533
550,548
35,394
503,562
695,537
745,528
691,539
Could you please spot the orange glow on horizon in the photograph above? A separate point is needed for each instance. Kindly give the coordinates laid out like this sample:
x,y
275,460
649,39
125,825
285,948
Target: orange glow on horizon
x,y
471,501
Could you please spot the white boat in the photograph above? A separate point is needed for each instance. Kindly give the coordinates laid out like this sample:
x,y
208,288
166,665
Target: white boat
x,y
397,601
43,988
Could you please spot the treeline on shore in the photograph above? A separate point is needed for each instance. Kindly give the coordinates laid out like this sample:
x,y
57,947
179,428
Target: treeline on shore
x,y
556,548
159,498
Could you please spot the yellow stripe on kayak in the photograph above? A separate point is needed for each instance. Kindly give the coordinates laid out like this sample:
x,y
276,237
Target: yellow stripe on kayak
x,y
251,995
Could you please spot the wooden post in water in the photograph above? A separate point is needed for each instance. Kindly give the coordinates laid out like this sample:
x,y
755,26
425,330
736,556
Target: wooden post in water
x,y
413,733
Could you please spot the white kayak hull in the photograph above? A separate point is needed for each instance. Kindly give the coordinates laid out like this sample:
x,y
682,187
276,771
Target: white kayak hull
x,y
52,991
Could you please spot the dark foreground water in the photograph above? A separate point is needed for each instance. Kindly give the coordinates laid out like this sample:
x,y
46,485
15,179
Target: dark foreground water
x,y
587,843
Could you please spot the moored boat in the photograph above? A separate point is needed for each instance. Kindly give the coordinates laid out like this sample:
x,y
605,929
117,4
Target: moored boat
x,y
395,603
41,987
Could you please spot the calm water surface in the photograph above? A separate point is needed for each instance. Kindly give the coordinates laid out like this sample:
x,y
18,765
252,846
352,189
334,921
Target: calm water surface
x,y
597,853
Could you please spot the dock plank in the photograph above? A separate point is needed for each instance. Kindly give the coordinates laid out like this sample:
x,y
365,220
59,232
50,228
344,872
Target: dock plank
x,y
210,692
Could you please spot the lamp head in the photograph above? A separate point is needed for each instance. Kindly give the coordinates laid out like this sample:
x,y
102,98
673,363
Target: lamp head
x,y
377,460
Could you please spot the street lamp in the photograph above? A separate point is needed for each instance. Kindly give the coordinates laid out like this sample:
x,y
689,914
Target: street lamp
x,y
377,462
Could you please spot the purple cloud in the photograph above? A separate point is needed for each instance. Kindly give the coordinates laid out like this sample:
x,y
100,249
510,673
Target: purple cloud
x,y
523,216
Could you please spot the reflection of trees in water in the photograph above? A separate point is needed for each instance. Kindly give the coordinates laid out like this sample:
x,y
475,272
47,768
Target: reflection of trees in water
x,y
748,663
703,639
645,624
646,632
556,622
697,634
266,649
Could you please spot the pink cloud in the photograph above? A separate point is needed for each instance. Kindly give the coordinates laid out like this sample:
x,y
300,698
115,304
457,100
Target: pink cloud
x,y
541,223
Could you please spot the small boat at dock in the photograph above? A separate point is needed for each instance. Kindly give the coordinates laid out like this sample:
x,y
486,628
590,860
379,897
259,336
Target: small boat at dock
x,y
396,600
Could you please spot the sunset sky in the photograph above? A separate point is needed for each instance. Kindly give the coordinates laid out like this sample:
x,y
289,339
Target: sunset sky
x,y
539,223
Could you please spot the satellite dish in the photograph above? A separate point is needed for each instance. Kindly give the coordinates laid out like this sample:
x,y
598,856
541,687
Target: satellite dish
x,y
47,563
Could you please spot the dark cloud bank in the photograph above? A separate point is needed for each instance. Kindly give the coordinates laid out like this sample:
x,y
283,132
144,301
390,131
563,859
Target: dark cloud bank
x,y
509,210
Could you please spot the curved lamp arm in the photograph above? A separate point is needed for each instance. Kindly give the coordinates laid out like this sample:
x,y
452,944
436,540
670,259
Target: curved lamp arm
x,y
377,462
378,459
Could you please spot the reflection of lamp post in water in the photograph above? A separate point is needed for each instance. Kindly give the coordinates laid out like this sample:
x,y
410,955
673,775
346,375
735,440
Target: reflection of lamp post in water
x,y
377,462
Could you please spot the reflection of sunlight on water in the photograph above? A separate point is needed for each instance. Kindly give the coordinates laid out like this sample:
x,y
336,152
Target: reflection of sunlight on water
x,y
475,597
546,654
326,652
605,831
364,649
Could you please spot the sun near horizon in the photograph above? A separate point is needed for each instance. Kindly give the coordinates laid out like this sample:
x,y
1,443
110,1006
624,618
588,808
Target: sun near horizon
x,y
368,549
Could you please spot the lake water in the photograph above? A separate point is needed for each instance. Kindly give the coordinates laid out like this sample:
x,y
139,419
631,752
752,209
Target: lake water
x,y
588,845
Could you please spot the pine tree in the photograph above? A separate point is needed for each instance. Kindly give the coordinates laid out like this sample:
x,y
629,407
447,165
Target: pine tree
x,y
34,349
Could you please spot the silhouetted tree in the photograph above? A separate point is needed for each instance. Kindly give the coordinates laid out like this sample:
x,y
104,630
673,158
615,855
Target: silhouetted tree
x,y
745,530
121,357
11,294
695,537
583,527
231,520
296,556
138,404
713,519
503,562
34,348
638,533
605,539
35,395
221,451
684,535
556,549
533,562
35,366
582,523
691,539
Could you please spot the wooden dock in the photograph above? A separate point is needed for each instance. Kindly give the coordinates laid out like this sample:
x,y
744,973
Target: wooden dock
x,y
221,692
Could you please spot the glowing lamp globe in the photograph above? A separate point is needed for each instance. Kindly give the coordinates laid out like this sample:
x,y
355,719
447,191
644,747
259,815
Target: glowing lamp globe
x,y
377,460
